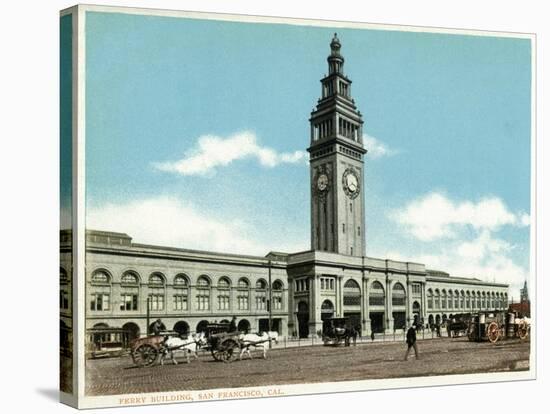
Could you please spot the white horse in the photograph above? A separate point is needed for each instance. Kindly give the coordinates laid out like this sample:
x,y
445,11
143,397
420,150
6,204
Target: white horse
x,y
188,345
257,341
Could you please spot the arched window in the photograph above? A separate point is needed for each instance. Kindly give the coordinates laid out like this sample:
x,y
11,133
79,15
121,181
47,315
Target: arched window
x,y
156,292
224,283
100,291
437,299
457,297
223,293
156,280
430,298
181,281
443,299
203,293
478,300
129,278
129,292
277,295
100,277
462,299
352,293
377,295
261,294
181,293
243,294
398,295
483,300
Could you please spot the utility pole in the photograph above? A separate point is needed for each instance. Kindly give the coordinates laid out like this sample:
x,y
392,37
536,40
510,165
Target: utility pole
x,y
270,299
148,317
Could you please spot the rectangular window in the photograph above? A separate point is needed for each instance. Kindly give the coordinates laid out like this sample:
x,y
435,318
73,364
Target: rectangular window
x,y
351,250
331,284
156,302
242,302
203,302
277,303
343,227
350,207
260,303
100,302
358,231
180,302
223,302
129,302
430,303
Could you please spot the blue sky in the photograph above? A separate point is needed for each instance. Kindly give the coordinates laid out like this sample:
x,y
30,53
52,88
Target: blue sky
x,y
195,132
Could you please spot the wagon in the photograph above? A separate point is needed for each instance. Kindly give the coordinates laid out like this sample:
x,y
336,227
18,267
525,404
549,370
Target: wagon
x,y
222,344
145,351
492,326
336,331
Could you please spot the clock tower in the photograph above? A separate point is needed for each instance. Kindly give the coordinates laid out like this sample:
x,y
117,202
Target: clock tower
x,y
336,164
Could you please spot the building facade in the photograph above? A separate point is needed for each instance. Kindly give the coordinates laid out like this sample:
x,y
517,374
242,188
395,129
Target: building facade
x,y
129,285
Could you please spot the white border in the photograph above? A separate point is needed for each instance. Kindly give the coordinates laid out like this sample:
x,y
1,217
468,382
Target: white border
x,y
300,389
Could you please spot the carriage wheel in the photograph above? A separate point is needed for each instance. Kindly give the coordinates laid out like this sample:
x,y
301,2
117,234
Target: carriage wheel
x,y
522,330
216,354
230,350
493,332
145,355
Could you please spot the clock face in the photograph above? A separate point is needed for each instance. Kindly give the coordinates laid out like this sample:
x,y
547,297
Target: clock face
x,y
350,179
322,182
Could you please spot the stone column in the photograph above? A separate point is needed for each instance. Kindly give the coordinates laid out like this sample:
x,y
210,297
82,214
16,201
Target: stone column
x,y
389,305
366,327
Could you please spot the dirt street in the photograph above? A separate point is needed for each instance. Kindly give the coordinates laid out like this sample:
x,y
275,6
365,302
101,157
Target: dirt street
x,y
308,364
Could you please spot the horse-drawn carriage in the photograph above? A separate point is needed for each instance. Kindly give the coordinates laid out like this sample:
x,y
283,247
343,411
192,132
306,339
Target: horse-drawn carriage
x,y
222,344
145,351
458,324
492,326
337,331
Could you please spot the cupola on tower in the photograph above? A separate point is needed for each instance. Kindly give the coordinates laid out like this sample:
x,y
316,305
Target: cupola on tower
x,y
336,164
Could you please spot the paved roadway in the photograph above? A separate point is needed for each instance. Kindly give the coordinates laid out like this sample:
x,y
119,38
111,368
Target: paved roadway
x,y
376,360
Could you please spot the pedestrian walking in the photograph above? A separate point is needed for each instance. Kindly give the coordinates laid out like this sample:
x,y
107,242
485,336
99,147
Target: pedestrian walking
x,y
411,342
372,335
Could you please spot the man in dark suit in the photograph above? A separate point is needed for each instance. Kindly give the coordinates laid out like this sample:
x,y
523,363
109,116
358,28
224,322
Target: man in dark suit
x,y
411,342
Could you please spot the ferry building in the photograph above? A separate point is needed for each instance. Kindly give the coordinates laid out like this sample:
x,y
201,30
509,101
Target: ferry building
x,y
188,288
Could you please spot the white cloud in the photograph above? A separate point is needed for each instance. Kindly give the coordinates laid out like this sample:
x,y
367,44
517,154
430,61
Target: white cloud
x,y
376,148
168,221
213,152
459,238
435,216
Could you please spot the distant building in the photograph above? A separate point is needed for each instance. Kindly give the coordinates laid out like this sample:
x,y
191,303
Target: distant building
x,y
524,306
188,288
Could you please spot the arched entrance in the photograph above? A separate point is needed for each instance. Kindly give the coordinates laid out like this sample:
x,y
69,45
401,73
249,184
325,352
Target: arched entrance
x,y
201,326
327,312
182,328
430,320
352,303
243,326
303,319
437,319
132,329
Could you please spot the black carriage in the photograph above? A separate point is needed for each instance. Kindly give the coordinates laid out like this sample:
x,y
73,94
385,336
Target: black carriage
x,y
222,344
458,324
337,331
